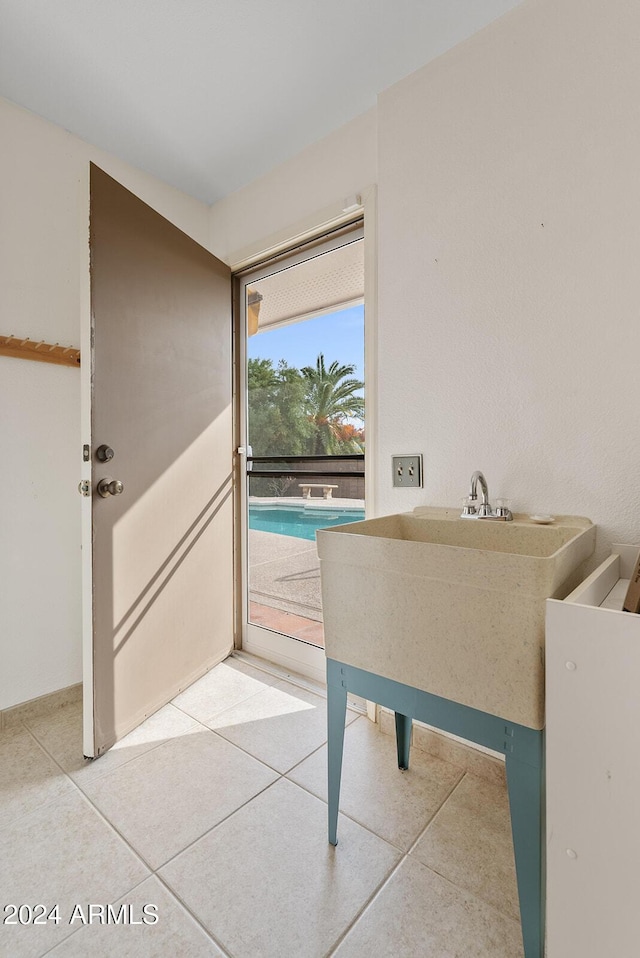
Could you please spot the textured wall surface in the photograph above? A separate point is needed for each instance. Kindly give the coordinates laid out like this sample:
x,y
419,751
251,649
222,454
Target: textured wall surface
x,y
509,225
44,199
298,194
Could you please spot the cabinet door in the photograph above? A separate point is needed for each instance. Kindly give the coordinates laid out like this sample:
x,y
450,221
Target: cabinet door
x,y
593,780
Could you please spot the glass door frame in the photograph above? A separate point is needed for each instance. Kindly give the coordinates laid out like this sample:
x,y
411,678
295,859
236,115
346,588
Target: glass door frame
x,y
288,652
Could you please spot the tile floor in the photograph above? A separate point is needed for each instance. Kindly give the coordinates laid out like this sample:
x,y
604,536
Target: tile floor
x,y
214,813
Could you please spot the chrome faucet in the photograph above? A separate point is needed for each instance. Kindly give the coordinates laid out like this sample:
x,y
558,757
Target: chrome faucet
x,y
485,511
485,507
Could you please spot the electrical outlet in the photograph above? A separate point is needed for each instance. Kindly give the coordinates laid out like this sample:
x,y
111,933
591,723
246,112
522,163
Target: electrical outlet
x,y
407,470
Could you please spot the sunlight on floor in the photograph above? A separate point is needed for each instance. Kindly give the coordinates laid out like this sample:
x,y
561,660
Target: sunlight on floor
x,y
214,810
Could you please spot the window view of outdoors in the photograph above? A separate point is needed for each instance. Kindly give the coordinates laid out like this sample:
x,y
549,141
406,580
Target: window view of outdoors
x,y
306,418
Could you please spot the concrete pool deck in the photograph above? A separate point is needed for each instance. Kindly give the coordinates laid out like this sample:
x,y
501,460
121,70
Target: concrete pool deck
x,y
284,574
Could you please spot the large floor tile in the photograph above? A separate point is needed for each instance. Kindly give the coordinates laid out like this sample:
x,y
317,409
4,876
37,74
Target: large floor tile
x,y
172,795
226,685
61,735
395,805
64,854
470,843
418,914
280,726
268,883
174,934
28,777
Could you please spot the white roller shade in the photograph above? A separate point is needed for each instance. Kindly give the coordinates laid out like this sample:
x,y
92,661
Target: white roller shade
x,y
323,284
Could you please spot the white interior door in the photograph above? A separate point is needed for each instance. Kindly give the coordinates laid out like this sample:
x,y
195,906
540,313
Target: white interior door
x,y
160,451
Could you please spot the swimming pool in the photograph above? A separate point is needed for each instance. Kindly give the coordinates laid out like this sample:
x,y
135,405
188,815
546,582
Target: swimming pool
x,y
297,521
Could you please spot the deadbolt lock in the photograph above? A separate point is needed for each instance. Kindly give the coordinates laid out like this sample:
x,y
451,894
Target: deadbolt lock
x,y
110,487
104,453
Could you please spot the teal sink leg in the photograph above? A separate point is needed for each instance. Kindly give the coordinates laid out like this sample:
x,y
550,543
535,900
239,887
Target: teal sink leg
x,y
336,714
522,747
403,739
526,802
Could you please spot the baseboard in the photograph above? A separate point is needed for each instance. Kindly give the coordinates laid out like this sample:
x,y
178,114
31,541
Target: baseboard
x,y
481,762
35,708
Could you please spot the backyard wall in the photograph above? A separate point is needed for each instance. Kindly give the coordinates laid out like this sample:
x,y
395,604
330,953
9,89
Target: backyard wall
x,y
43,226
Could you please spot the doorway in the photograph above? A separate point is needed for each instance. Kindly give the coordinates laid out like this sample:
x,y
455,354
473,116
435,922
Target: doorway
x,y
302,437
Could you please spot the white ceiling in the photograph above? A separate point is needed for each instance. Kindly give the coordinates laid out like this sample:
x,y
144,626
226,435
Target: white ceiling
x,y
209,94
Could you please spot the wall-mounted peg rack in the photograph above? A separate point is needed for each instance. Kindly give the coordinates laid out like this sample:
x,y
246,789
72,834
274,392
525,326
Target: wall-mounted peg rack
x,y
41,352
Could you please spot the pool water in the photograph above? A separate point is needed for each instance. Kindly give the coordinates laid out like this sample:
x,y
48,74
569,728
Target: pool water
x,y
300,523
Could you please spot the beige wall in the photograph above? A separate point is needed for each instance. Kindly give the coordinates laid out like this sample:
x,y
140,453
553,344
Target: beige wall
x,y
43,182
509,225
298,195
509,229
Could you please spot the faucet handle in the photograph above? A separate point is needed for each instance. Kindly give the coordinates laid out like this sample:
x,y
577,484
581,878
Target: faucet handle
x,y
468,507
503,508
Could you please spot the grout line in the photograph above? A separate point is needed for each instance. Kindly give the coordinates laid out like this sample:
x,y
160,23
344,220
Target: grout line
x,y
437,811
127,761
385,881
218,824
206,832
436,871
369,901
262,761
51,801
300,681
79,929
182,904
146,865
215,715
369,829
150,871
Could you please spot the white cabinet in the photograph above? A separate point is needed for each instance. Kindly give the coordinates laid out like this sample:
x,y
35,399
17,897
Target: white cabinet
x,y
593,767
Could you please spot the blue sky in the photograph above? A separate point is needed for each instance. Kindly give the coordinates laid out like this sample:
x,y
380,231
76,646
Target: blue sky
x,y
340,336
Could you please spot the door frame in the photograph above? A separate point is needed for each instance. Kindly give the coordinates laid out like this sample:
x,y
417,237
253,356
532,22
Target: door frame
x,y
295,655
86,474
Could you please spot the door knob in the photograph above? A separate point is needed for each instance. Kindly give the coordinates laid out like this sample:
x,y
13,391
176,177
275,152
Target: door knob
x,y
104,453
110,487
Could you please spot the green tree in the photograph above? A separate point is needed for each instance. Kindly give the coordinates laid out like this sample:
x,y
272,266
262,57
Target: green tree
x,y
278,425
332,398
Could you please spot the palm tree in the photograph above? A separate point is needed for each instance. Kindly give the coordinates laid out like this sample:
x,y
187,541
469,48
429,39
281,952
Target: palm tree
x,y
332,397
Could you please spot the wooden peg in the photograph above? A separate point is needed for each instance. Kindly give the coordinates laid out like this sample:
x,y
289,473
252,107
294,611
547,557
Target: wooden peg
x,y
42,352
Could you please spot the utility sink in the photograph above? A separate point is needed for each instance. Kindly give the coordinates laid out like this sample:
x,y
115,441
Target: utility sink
x,y
452,606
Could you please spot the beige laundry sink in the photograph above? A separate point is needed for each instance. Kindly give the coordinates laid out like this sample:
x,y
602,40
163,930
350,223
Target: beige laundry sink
x,y
452,606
